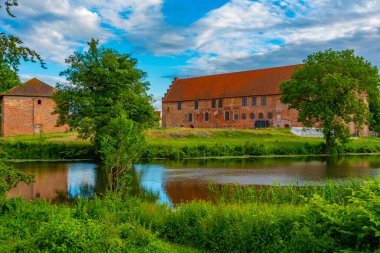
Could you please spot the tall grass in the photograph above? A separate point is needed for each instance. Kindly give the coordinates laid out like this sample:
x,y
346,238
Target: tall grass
x,y
334,218
47,150
276,194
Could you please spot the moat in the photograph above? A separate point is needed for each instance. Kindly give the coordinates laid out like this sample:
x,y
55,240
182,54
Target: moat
x,y
174,182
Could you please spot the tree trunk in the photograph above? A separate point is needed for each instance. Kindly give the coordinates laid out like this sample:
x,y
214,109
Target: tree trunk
x,y
329,142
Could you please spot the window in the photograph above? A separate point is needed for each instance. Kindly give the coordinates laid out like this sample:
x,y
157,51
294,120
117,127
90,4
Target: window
x,y
244,102
270,115
254,101
220,103
190,117
196,104
261,116
206,116
179,106
227,116
39,101
243,116
168,109
213,103
236,116
252,116
263,100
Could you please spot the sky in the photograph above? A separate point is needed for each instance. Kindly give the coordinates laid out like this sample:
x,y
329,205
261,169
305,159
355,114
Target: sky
x,y
187,38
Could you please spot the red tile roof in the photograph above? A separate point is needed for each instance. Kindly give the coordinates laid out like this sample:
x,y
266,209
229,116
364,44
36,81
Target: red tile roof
x,y
31,88
238,84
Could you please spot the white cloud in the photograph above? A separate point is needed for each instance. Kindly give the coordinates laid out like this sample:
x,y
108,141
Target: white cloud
x,y
51,80
240,34
55,29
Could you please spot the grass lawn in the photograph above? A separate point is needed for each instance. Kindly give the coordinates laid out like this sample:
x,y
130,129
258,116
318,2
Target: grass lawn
x,y
179,137
190,137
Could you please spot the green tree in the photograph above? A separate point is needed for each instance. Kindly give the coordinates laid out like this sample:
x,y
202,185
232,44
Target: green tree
x,y
121,143
331,91
102,84
8,77
11,54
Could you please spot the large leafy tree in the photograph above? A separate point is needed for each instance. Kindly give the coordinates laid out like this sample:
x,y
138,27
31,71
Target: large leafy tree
x,y
102,84
331,90
12,52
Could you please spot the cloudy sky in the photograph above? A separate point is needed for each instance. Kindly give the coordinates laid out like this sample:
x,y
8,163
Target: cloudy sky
x,y
194,37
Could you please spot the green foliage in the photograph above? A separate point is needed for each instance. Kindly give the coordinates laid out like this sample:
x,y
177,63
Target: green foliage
x,y
9,78
354,225
10,177
332,218
102,84
331,192
48,150
330,90
88,226
121,143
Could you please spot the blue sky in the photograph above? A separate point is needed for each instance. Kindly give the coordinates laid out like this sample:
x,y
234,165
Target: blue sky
x,y
191,38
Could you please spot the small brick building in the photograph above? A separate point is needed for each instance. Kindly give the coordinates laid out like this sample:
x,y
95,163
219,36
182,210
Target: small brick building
x,y
27,109
248,99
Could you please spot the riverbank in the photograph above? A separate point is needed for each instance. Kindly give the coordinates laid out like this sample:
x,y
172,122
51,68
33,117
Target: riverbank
x,y
181,143
291,219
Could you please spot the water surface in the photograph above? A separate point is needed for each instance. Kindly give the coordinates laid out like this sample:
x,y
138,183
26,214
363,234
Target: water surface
x,y
175,182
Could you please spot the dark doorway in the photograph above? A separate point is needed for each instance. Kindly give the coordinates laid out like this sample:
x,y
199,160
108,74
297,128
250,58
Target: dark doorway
x,y
261,123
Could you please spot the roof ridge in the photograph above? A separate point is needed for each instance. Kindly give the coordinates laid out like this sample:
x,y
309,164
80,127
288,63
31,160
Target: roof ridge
x,y
237,72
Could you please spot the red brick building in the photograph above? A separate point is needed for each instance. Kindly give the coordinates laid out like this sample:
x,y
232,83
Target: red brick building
x,y
245,99
27,109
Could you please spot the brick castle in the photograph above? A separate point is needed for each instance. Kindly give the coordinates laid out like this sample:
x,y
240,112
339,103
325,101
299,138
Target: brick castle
x,y
27,109
248,99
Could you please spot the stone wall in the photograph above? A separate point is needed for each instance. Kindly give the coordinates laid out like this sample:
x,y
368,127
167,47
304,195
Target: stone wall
x,y
280,116
28,115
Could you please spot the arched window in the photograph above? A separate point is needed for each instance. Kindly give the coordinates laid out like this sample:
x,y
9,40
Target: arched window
x,y
179,106
213,103
190,117
227,115
196,104
252,116
236,116
261,116
206,116
270,115
220,103
243,116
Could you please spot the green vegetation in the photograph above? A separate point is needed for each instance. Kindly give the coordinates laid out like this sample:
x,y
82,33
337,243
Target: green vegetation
x,y
102,84
174,143
326,219
331,90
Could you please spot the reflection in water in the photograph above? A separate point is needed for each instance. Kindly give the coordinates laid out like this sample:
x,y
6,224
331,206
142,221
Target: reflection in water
x,y
174,182
81,180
